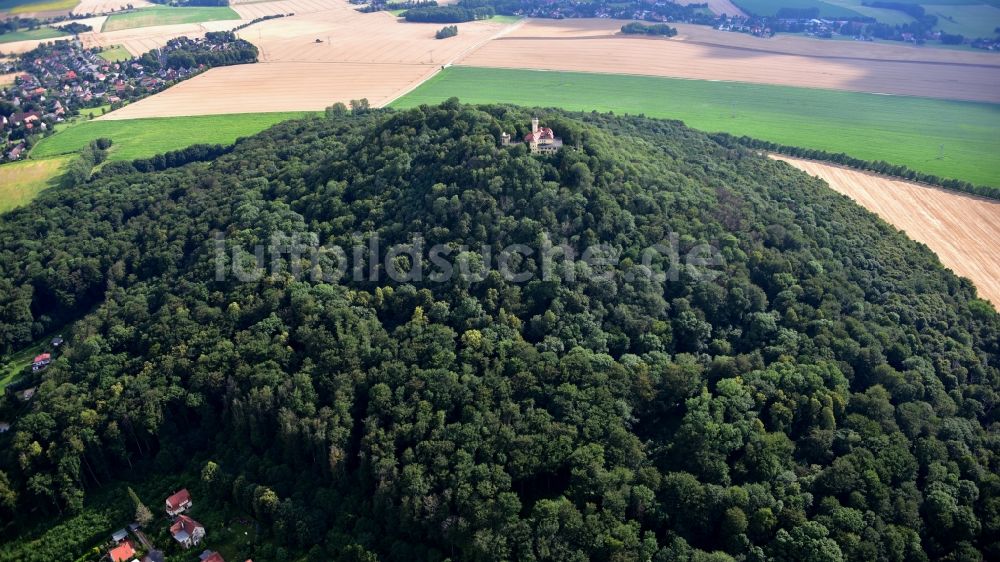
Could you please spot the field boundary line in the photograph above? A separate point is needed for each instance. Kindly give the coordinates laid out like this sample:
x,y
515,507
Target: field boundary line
x,y
726,81
778,156
454,61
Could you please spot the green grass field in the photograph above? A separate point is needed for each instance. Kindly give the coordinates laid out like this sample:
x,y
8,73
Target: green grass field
x,y
27,35
898,129
115,53
971,21
20,182
883,15
141,138
505,19
771,7
15,7
162,15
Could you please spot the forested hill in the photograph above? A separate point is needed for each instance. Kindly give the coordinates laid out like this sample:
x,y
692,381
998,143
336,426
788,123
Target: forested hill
x,y
829,395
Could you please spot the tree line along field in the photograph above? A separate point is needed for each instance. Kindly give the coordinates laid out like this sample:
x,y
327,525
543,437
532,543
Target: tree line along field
x,y
964,231
141,138
948,138
162,15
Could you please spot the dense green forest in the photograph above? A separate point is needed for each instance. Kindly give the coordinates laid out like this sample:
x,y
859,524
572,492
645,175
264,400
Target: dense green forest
x,y
829,395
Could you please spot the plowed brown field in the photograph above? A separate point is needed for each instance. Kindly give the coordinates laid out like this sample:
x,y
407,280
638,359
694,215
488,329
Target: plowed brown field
x,y
964,231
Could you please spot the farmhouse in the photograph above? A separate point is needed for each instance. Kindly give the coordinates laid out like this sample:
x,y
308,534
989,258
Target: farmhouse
x,y
187,531
541,140
179,502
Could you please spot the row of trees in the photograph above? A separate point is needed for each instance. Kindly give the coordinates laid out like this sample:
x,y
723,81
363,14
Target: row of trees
x,y
447,14
379,6
78,170
827,395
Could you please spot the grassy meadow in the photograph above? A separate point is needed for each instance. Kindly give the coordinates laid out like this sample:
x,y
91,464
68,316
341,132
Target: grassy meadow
x,y
30,34
163,15
115,53
141,138
948,138
977,20
20,182
770,7
15,7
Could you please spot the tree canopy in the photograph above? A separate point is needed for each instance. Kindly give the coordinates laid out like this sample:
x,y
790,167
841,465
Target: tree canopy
x,y
829,395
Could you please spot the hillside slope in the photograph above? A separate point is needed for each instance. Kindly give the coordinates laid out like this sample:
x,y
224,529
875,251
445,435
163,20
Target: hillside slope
x,y
826,393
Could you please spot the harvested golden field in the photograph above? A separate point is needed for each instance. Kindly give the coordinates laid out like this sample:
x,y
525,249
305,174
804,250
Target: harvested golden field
x,y
359,56
963,230
350,36
272,87
18,47
107,6
140,40
7,79
595,46
249,10
798,45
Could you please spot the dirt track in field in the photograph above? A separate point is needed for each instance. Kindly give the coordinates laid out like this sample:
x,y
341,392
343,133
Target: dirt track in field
x,y
705,54
964,231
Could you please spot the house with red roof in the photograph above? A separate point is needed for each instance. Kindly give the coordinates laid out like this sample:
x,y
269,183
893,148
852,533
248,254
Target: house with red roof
x,y
179,502
210,556
187,531
41,361
123,552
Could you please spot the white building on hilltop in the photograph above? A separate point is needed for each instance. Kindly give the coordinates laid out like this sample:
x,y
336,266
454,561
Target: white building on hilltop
x,y
541,140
